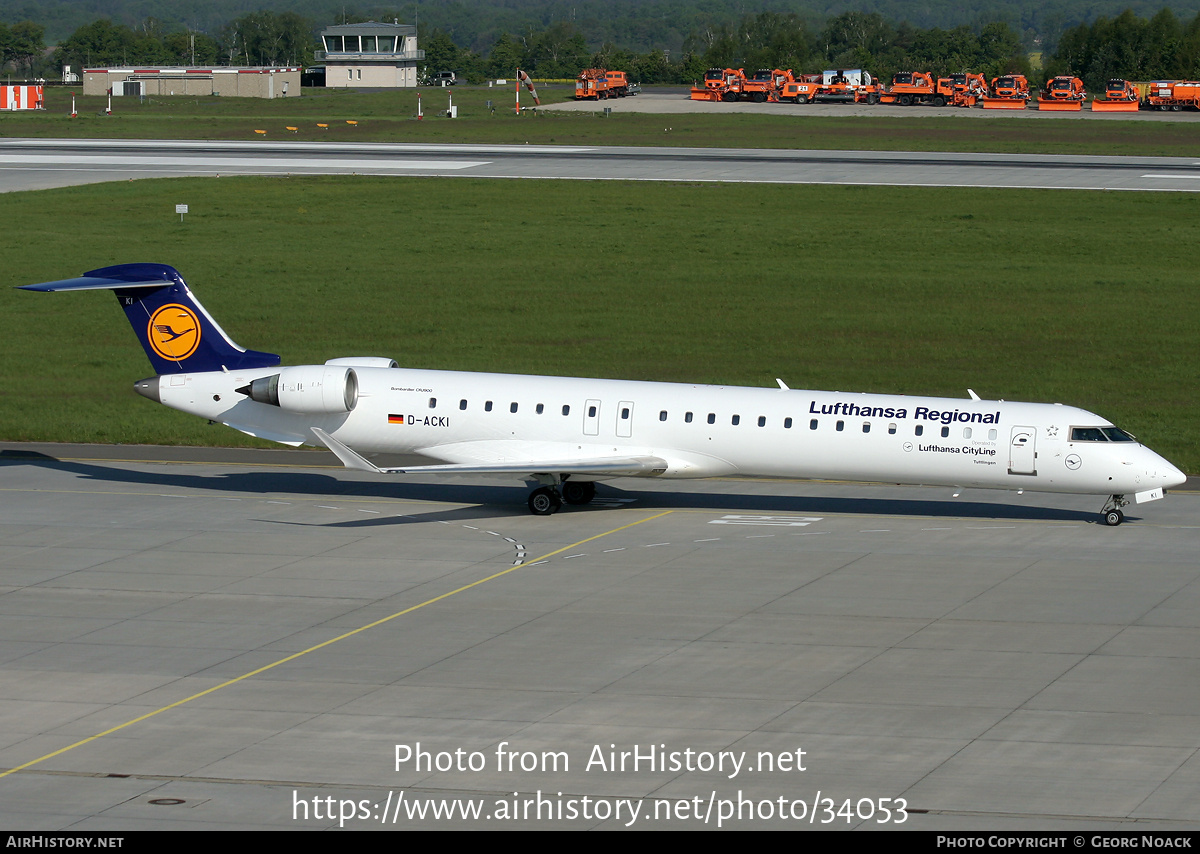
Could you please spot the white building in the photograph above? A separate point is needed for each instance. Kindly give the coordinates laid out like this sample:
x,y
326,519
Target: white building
x,y
370,55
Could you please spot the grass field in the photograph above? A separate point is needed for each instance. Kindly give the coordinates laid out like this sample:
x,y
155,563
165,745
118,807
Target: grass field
x,y
1083,298
390,117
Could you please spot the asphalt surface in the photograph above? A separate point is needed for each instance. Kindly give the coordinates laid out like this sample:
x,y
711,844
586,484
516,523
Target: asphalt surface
x,y
197,644
39,164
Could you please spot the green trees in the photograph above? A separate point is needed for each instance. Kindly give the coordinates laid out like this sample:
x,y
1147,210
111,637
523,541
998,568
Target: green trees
x,y
1128,47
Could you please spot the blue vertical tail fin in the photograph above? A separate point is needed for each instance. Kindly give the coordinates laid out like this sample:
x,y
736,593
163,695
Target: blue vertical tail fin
x,y
178,335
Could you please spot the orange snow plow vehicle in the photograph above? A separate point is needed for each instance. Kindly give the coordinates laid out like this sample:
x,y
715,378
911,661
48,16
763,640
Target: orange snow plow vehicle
x,y
1120,96
1009,92
600,83
918,87
720,84
1064,94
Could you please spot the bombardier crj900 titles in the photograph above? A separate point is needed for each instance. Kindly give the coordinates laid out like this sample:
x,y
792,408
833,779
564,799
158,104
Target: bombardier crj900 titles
x,y
566,433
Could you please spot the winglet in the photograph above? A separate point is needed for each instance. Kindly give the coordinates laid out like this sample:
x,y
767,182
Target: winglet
x,y
971,392
782,385
350,459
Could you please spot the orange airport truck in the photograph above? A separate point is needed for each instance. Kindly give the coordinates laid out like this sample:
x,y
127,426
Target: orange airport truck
x,y
848,86
760,87
802,88
720,84
1009,92
1120,96
918,87
969,89
1062,94
1173,95
599,83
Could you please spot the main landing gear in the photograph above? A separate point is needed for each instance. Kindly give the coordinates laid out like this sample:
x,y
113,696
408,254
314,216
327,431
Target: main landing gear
x,y
1112,510
546,500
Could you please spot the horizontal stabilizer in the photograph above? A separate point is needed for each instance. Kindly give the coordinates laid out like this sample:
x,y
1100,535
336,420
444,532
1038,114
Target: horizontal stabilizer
x,y
178,335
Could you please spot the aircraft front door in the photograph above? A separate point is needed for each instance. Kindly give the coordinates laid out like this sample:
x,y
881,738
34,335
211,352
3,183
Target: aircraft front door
x,y
1022,451
591,418
625,419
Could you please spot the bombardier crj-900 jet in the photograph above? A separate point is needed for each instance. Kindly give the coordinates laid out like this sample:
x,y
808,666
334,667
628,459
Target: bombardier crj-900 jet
x,y
564,433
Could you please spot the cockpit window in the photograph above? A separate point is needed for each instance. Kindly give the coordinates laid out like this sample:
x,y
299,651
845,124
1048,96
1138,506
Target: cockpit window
x,y
1088,434
1116,434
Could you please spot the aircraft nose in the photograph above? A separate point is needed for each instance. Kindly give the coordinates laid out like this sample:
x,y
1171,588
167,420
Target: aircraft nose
x,y
1173,476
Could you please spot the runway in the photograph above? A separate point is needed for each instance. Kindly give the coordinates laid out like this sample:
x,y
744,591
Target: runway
x,y
40,164
261,642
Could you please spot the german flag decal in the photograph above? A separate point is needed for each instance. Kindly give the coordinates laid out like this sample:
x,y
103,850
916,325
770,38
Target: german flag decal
x,y
395,419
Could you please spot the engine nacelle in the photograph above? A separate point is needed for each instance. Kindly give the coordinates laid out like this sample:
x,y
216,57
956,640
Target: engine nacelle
x,y
307,389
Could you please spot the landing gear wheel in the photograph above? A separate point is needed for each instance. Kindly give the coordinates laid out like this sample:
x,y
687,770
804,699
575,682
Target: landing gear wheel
x,y
578,492
1112,518
544,501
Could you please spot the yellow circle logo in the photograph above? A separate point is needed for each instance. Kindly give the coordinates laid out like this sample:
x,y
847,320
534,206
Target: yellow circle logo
x,y
174,332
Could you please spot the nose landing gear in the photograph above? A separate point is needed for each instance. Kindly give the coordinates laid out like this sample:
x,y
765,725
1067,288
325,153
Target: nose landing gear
x,y
1111,512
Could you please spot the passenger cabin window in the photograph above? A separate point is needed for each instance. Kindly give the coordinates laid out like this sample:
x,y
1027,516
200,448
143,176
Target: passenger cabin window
x,y
841,425
625,413
687,417
966,432
662,416
487,407
866,426
892,429
712,418
433,403
512,407
762,421
992,434
462,404
812,424
540,409
787,424
591,412
566,410
737,419
919,430
945,432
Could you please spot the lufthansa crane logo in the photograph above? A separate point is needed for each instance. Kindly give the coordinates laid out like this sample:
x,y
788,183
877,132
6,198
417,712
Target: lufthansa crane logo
x,y
174,332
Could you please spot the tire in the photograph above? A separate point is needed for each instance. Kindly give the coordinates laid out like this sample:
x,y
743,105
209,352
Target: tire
x,y
801,99
544,502
906,100
758,97
578,492
872,99
729,97
1113,518
939,101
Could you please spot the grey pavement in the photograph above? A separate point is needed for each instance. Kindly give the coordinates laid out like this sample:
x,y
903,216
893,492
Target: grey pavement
x,y
996,661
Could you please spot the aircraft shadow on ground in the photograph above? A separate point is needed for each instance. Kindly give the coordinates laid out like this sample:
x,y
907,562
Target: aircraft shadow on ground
x,y
509,499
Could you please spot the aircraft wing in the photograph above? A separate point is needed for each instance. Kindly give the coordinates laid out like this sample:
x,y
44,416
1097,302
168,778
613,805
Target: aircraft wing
x,y
600,466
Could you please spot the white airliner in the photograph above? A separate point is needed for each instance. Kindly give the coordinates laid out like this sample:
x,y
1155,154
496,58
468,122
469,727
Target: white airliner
x,y
566,433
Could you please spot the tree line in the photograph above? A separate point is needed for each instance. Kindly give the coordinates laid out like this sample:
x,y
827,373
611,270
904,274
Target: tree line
x,y
1160,47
